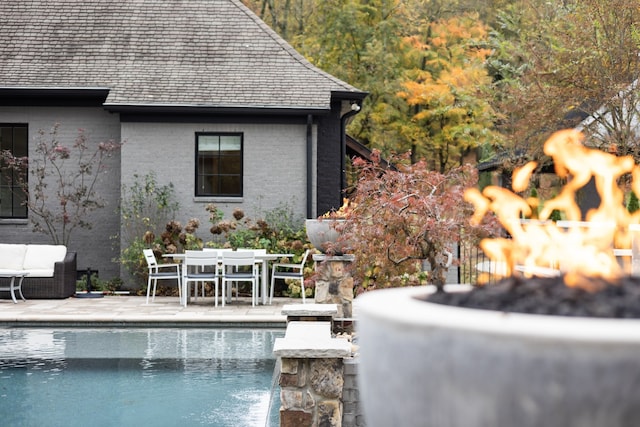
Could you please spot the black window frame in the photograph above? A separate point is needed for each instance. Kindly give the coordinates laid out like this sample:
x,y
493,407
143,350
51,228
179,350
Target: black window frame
x,y
8,187
199,165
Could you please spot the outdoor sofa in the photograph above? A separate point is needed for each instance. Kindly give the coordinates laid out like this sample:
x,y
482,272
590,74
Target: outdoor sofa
x,y
51,270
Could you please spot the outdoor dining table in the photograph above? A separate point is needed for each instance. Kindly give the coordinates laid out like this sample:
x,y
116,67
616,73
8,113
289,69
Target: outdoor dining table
x,y
261,258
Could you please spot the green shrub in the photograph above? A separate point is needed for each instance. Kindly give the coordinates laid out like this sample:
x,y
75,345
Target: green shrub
x,y
96,283
278,232
147,213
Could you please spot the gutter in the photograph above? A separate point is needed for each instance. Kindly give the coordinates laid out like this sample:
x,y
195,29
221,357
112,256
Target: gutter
x,y
309,166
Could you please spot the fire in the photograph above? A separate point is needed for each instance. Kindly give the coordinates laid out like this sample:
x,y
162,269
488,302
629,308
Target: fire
x,y
341,213
578,246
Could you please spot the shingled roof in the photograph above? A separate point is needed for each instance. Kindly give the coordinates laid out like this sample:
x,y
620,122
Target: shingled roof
x,y
188,53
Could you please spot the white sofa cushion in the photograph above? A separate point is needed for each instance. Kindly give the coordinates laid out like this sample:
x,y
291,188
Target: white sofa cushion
x,y
39,260
12,256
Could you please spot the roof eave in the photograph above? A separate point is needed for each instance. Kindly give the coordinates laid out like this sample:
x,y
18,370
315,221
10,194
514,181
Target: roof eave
x,y
211,109
10,96
349,95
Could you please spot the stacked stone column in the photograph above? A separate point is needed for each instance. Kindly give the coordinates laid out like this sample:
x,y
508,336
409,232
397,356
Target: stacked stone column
x,y
334,283
311,375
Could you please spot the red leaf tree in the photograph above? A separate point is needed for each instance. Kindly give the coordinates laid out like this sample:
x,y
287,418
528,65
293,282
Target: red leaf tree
x,y
400,216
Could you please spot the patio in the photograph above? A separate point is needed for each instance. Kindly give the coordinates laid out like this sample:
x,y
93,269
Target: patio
x,y
132,311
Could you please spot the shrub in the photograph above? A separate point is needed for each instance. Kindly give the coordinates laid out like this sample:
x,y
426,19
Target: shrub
x,y
146,208
279,231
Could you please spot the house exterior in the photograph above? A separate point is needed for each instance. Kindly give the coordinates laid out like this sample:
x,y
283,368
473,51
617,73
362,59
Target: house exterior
x,y
201,92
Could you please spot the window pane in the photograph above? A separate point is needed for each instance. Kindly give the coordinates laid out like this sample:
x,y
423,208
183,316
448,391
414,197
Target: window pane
x,y
5,202
230,185
208,165
205,185
6,138
230,143
230,165
19,206
208,143
20,142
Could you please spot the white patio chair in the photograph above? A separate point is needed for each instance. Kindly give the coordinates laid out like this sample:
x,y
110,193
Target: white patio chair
x,y
239,266
200,267
160,272
219,252
257,252
289,271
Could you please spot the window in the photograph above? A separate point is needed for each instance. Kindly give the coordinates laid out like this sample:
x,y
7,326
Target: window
x,y
218,165
13,138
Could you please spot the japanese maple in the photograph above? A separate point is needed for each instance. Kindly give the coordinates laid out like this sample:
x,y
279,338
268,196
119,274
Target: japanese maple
x,y
407,214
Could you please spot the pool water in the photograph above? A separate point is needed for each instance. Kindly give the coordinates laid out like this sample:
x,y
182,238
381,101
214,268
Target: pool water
x,y
138,377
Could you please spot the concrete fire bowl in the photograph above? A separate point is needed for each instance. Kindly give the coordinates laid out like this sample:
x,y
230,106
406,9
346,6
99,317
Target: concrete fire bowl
x,y
425,364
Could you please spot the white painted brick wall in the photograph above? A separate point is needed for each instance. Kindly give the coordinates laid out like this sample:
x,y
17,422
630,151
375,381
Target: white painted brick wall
x,y
274,164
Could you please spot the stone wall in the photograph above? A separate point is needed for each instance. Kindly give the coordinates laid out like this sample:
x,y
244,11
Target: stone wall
x,y
311,392
320,392
318,374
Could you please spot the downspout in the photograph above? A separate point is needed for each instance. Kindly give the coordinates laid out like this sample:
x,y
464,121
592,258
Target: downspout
x,y
355,108
310,173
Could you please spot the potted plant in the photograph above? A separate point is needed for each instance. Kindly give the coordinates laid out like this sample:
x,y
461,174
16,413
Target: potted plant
x,y
429,363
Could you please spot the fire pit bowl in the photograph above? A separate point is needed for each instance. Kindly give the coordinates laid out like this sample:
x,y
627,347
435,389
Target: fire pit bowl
x,y
426,364
324,234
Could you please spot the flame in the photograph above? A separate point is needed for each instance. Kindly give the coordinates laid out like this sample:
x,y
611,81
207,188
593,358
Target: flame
x,y
343,211
573,248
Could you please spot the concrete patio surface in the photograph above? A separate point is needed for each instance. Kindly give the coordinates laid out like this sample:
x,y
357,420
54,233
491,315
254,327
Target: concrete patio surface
x,y
127,310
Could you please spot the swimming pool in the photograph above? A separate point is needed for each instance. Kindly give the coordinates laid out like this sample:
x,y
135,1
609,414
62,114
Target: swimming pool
x,y
137,376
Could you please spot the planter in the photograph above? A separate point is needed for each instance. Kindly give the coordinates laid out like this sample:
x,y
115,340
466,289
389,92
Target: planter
x,y
324,233
425,364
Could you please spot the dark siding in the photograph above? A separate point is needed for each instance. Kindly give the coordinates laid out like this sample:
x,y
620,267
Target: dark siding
x,y
329,174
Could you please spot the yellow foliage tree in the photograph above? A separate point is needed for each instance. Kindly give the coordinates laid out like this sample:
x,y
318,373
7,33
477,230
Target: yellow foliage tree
x,y
447,92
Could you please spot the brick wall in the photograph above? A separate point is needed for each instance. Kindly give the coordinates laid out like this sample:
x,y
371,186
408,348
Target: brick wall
x,y
274,163
94,247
